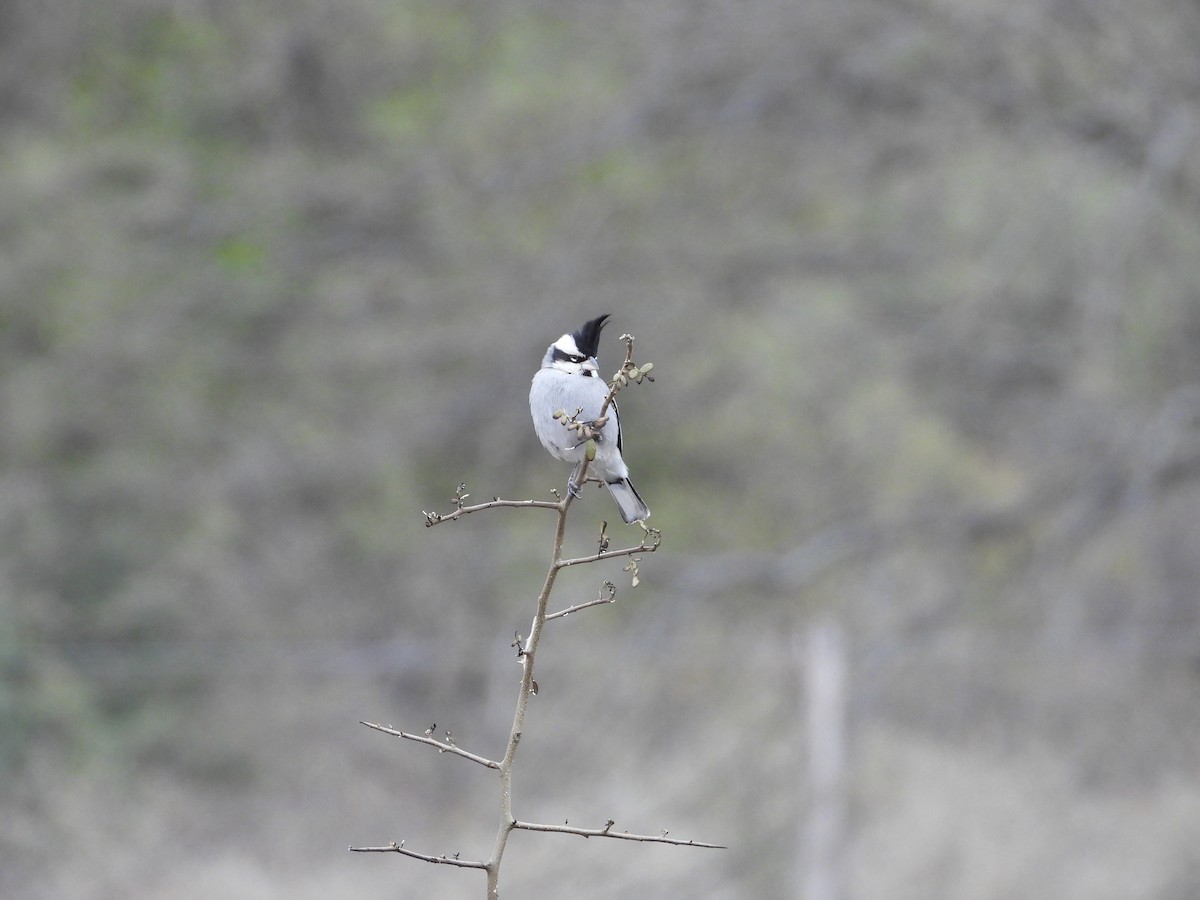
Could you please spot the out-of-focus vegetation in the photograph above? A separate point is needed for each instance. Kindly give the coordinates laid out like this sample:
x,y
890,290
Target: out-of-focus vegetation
x,y
921,282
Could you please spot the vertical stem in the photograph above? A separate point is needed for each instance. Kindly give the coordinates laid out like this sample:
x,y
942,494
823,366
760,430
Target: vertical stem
x,y
535,635
514,737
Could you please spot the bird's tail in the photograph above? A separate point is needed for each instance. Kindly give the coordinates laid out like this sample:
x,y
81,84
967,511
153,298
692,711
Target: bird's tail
x,y
632,507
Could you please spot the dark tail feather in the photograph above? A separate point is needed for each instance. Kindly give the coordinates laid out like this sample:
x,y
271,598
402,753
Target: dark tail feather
x,y
632,507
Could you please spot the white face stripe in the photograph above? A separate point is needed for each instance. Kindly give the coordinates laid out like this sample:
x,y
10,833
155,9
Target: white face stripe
x,y
575,363
567,345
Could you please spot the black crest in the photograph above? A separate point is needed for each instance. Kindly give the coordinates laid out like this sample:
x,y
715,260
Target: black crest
x,y
587,338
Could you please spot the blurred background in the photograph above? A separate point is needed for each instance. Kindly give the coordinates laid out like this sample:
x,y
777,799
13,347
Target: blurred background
x,y
921,284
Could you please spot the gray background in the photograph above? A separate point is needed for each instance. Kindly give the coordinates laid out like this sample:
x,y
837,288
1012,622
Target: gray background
x,y
921,283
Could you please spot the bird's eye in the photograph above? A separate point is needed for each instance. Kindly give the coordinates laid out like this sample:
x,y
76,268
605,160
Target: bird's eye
x,y
578,359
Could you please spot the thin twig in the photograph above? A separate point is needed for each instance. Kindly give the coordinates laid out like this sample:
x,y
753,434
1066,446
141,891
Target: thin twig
x,y
393,847
433,518
615,385
440,746
599,601
607,832
607,554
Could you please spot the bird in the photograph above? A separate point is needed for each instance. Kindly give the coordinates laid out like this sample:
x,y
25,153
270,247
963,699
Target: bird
x,y
568,380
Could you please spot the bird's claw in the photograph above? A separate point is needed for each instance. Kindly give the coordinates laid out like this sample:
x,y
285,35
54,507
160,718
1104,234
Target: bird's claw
x,y
574,490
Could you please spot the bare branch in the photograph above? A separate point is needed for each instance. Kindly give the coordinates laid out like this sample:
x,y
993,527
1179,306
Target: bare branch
x,y
573,609
608,595
433,518
607,832
608,554
442,747
393,847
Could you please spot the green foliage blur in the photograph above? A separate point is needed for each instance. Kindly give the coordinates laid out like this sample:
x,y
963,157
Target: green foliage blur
x,y
921,285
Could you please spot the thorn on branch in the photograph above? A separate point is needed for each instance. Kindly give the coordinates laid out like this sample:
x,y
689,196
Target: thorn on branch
x,y
427,738
393,847
661,838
